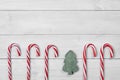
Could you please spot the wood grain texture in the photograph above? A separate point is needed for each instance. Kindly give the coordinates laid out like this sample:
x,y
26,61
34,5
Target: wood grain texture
x,y
112,70
51,22
59,5
63,42
69,24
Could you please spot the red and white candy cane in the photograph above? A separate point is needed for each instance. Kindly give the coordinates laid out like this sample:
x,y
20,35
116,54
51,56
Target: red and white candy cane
x,y
46,58
29,59
9,58
85,58
102,58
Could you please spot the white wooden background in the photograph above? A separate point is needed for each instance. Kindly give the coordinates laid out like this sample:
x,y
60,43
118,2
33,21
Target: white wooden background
x,y
69,24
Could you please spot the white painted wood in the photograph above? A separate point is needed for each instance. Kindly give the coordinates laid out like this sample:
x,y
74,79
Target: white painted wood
x,y
59,5
75,29
112,70
51,22
63,42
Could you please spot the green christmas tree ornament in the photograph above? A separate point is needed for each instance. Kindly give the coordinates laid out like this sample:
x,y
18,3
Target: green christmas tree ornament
x,y
70,63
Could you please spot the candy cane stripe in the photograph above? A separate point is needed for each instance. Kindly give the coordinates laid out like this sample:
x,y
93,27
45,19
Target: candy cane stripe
x,y
102,58
85,58
46,59
9,58
29,59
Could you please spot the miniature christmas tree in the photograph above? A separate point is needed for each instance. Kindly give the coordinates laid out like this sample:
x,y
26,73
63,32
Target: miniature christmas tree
x,y
70,61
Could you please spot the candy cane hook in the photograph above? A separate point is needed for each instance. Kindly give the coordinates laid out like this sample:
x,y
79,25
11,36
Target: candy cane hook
x,y
9,58
29,60
46,58
102,58
85,58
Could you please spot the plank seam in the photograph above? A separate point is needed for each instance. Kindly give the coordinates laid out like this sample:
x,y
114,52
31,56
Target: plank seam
x,y
59,10
51,34
59,58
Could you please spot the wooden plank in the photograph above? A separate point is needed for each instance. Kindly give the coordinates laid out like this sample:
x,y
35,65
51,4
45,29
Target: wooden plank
x,y
63,42
112,70
59,5
51,22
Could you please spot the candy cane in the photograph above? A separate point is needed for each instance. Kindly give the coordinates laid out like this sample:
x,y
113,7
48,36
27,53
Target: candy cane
x,y
9,58
46,58
29,60
102,58
85,58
